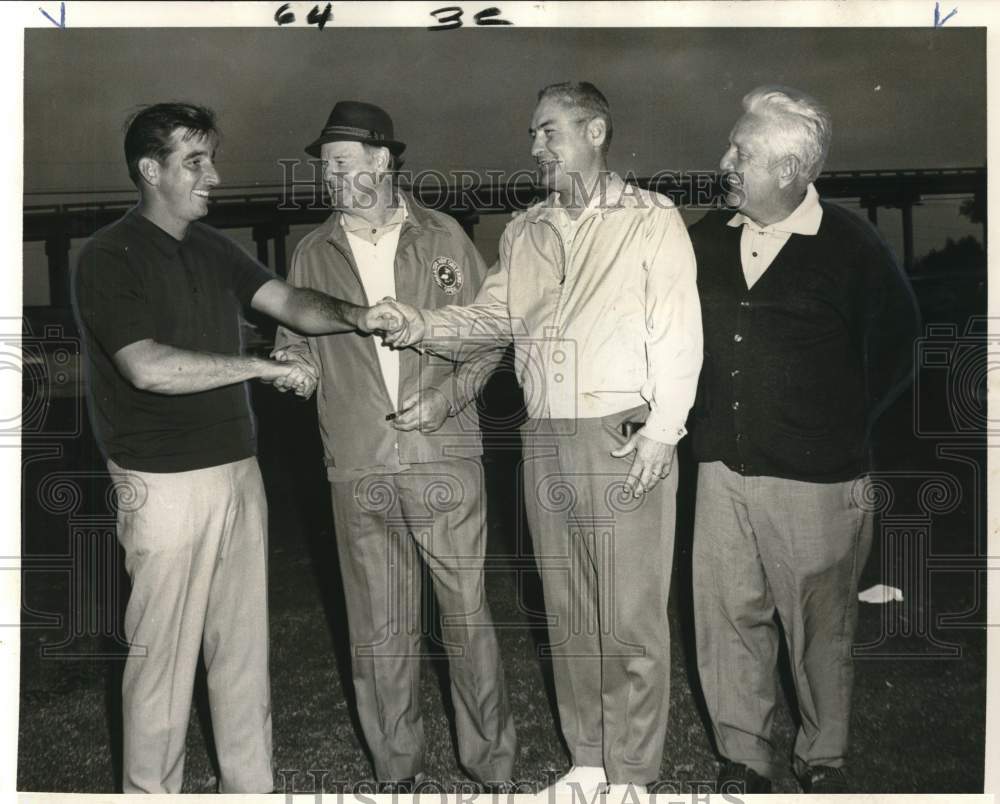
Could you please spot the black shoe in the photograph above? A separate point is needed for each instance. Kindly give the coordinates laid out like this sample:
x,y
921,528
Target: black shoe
x,y
824,779
735,777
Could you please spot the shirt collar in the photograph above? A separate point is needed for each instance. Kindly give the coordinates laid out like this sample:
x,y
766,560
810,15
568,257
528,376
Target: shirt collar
x,y
354,223
804,219
165,242
612,196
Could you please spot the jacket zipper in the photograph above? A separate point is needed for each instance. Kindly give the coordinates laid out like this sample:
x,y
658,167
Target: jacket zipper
x,y
547,353
393,401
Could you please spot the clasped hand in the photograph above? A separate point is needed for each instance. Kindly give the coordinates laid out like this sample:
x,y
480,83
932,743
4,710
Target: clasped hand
x,y
400,324
297,375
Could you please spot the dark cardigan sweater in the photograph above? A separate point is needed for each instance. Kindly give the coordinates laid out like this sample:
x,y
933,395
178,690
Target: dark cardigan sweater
x,y
798,367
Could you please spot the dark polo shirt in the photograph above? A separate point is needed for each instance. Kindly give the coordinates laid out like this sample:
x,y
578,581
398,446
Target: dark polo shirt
x,y
134,281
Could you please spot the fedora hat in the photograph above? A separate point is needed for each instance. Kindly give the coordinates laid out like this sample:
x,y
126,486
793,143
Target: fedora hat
x,y
354,121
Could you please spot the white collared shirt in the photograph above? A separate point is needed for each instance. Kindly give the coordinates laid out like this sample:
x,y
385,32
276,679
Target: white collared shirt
x,y
760,245
374,250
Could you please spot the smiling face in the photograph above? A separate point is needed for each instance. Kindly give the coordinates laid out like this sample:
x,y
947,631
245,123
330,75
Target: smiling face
x,y
183,181
351,173
753,182
564,152
176,190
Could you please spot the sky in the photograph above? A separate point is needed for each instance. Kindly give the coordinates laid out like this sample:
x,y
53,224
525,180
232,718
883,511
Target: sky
x,y
462,100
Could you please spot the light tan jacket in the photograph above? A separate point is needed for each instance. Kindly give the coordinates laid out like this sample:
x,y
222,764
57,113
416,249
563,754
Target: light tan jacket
x,y
604,314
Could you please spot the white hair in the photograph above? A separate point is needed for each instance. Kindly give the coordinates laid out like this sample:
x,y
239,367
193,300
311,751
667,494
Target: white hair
x,y
802,127
371,152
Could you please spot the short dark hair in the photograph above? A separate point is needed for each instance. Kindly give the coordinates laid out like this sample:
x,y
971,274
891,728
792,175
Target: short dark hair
x,y
585,96
148,131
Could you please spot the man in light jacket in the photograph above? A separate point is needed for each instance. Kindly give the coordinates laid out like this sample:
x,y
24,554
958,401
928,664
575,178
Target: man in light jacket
x,y
596,287
402,449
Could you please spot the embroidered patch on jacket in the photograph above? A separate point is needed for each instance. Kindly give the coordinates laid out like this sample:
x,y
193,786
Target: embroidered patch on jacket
x,y
447,274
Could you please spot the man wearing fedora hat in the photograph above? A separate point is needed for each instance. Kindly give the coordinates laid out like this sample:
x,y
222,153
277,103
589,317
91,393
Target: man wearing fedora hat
x,y
402,450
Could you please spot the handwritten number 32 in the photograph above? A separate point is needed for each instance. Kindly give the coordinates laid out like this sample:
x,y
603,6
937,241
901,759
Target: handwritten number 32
x,y
450,17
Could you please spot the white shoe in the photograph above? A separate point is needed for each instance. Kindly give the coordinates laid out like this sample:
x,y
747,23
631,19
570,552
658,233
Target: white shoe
x,y
580,785
623,794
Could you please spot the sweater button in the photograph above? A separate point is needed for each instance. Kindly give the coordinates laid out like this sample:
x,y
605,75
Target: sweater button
x,y
734,372
744,303
736,405
738,338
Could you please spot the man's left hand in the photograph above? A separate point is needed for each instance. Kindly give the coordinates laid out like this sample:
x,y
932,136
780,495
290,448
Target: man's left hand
x,y
653,461
424,411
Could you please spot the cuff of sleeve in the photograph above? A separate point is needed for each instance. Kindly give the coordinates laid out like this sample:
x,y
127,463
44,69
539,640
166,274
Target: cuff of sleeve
x,y
291,348
455,401
663,431
438,327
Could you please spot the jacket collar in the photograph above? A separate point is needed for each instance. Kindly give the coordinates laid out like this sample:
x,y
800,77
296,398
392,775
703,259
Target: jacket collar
x,y
417,219
614,195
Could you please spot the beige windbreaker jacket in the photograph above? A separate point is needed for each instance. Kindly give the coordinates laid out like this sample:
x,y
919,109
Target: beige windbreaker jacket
x,y
603,311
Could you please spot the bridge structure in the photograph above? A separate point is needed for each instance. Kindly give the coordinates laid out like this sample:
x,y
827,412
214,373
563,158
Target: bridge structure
x,y
270,210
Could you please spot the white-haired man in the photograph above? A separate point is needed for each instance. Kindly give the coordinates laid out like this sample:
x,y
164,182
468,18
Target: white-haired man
x,y
809,325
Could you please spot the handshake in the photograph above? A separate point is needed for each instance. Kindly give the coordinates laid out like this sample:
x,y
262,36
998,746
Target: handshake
x,y
288,372
400,325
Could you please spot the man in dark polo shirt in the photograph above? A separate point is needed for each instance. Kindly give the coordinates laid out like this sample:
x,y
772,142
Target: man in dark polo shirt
x,y
158,298
809,327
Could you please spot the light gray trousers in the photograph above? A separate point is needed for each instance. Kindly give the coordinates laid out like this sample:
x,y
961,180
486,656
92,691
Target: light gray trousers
x,y
766,544
605,559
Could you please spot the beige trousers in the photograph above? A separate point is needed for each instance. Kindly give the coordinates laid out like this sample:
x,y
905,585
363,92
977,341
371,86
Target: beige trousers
x,y
196,550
